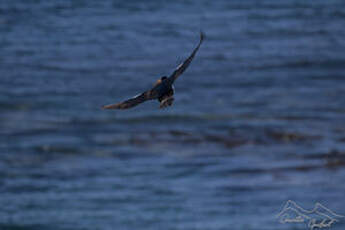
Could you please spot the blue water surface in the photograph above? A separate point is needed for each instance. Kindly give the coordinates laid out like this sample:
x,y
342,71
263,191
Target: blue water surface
x,y
258,117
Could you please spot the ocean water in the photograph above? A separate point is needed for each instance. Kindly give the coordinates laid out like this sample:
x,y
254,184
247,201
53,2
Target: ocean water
x,y
258,117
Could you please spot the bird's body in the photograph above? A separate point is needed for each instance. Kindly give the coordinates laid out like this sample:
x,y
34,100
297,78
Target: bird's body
x,y
163,90
166,98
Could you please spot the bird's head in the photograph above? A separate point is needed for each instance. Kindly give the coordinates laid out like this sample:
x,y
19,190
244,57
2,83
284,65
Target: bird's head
x,y
163,78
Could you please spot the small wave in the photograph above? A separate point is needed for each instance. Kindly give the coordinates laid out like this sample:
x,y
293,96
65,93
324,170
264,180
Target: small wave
x,y
282,136
303,64
167,118
12,226
7,106
333,158
57,149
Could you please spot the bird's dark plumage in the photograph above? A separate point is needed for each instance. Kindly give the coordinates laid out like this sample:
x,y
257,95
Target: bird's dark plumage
x,y
162,90
130,102
183,66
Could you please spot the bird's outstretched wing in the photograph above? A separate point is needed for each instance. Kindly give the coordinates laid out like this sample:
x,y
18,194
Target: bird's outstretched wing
x,y
183,66
134,101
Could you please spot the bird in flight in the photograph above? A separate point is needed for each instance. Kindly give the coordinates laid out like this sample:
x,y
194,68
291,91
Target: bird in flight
x,y
162,90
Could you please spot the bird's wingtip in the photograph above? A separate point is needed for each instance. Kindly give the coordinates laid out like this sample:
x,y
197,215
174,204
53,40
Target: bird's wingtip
x,y
202,35
107,107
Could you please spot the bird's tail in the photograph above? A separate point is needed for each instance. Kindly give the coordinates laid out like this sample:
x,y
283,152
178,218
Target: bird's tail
x,y
166,102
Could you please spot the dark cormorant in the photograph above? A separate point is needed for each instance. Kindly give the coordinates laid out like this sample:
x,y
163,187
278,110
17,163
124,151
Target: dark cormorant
x,y
163,90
